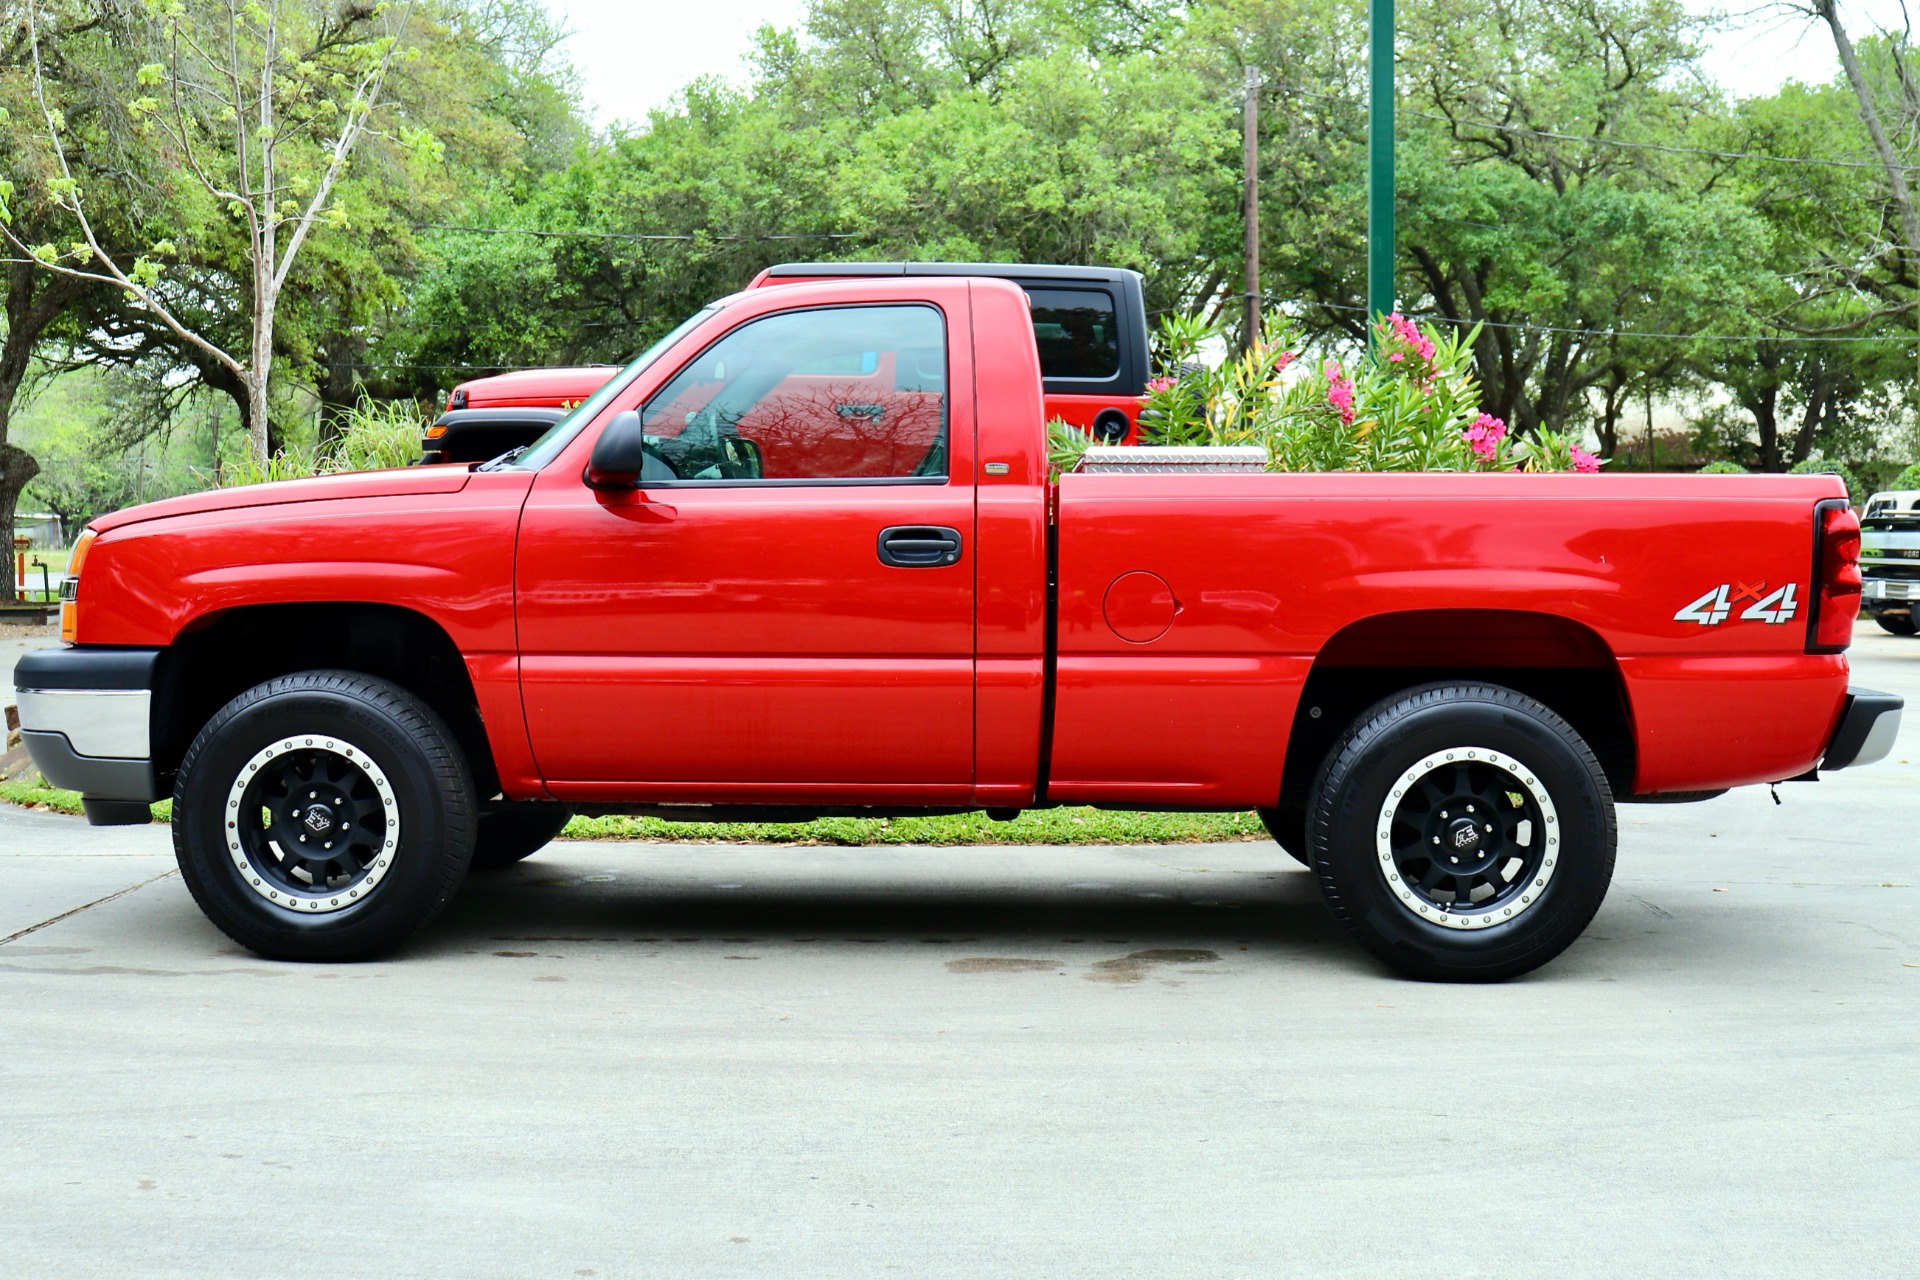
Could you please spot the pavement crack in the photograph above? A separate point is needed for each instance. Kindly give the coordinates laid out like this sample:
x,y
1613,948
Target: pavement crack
x,y
85,906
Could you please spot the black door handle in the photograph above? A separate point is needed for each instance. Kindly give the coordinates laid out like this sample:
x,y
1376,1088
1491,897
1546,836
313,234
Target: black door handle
x,y
919,546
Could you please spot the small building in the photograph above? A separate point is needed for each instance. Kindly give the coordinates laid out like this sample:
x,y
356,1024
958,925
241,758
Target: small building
x,y
41,528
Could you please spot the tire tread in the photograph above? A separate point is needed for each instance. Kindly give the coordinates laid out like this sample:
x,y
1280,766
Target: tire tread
x,y
1347,753
439,751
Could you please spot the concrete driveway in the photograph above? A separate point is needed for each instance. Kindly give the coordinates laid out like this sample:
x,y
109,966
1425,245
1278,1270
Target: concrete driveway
x,y
710,1061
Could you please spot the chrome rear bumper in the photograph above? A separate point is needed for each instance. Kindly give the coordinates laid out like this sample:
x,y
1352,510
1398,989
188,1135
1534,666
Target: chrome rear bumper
x,y
1868,725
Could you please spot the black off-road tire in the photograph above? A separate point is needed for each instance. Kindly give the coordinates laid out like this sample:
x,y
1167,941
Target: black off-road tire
x,y
512,833
371,734
1898,624
1560,824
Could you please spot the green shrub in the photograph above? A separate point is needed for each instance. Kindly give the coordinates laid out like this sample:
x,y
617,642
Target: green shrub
x,y
1065,444
377,436
1723,468
1907,479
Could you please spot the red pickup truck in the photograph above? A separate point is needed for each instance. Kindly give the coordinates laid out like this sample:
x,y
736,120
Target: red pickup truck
x,y
805,556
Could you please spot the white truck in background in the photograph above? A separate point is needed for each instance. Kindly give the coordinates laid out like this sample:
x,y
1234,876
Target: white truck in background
x,y
1890,560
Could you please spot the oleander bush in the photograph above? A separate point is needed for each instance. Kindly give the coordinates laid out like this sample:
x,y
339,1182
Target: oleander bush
x,y
1412,404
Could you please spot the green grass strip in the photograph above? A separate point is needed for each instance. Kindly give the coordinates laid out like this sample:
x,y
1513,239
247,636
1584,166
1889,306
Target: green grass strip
x,y
31,791
1037,826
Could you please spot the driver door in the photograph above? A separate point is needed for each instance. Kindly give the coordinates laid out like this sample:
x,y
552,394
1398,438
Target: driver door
x,y
769,622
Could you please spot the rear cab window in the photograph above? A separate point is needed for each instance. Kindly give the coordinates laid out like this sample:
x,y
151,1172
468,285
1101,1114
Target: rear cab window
x,y
1077,332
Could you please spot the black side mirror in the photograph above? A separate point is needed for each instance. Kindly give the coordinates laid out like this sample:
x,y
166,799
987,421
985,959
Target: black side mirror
x,y
620,457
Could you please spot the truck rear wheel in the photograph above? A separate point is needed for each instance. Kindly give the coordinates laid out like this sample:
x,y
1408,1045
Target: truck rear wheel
x,y
1462,832
323,816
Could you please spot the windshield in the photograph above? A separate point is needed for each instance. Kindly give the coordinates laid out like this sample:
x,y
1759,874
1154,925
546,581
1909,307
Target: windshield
x,y
561,433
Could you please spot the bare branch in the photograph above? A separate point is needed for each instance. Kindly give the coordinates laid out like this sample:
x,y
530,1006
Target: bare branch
x,y
366,99
113,273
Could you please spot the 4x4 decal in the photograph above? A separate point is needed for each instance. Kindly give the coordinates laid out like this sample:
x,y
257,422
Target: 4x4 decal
x,y
1713,608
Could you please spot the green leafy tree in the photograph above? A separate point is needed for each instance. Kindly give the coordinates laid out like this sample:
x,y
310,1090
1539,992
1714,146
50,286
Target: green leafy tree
x,y
261,107
81,66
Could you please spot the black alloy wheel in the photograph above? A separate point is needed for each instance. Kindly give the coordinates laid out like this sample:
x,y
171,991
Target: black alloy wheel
x,y
1462,832
323,816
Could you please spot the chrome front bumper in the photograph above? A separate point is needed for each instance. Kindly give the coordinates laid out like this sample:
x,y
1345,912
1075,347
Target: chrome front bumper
x,y
86,718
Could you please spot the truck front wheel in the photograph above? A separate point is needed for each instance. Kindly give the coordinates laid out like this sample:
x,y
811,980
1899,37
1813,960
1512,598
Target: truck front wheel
x,y
1899,624
323,816
1462,832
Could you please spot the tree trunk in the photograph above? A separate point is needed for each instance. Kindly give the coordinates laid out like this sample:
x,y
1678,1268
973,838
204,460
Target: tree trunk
x,y
1812,415
34,301
259,448
1767,426
339,385
259,442
1828,12
17,467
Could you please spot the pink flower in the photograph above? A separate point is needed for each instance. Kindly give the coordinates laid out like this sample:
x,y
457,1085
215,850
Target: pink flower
x,y
1395,358
1284,359
1157,385
1485,436
1409,333
1583,462
1339,391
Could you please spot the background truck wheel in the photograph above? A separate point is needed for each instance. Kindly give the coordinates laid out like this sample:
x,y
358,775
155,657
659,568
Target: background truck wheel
x,y
323,816
1899,624
1288,827
512,832
1462,832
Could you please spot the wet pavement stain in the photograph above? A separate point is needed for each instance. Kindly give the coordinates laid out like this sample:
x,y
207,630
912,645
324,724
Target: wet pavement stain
x,y
1002,964
516,955
1133,967
114,970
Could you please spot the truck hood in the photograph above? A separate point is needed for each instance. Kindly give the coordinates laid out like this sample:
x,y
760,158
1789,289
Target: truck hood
x,y
401,482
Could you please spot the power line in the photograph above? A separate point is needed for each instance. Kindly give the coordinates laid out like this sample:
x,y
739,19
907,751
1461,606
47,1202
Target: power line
x,y
628,235
1595,140
1628,333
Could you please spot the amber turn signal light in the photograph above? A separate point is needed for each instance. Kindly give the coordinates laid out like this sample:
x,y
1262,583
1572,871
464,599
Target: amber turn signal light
x,y
70,587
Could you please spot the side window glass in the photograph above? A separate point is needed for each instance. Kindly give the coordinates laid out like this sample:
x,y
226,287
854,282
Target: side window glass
x,y
1076,333
842,393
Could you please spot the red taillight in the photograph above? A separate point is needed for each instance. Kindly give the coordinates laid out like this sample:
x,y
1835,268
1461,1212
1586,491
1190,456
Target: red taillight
x,y
1836,576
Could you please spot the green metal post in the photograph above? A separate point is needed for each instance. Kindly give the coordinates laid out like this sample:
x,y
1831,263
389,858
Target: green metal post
x,y
1380,298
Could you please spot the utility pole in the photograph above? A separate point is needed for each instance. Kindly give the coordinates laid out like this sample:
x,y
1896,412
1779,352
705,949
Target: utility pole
x,y
1380,229
1653,448
1250,201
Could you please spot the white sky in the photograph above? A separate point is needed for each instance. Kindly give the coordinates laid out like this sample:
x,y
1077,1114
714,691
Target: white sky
x,y
635,56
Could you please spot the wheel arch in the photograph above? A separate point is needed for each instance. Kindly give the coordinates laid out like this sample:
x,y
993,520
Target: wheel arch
x,y
224,654
1563,664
